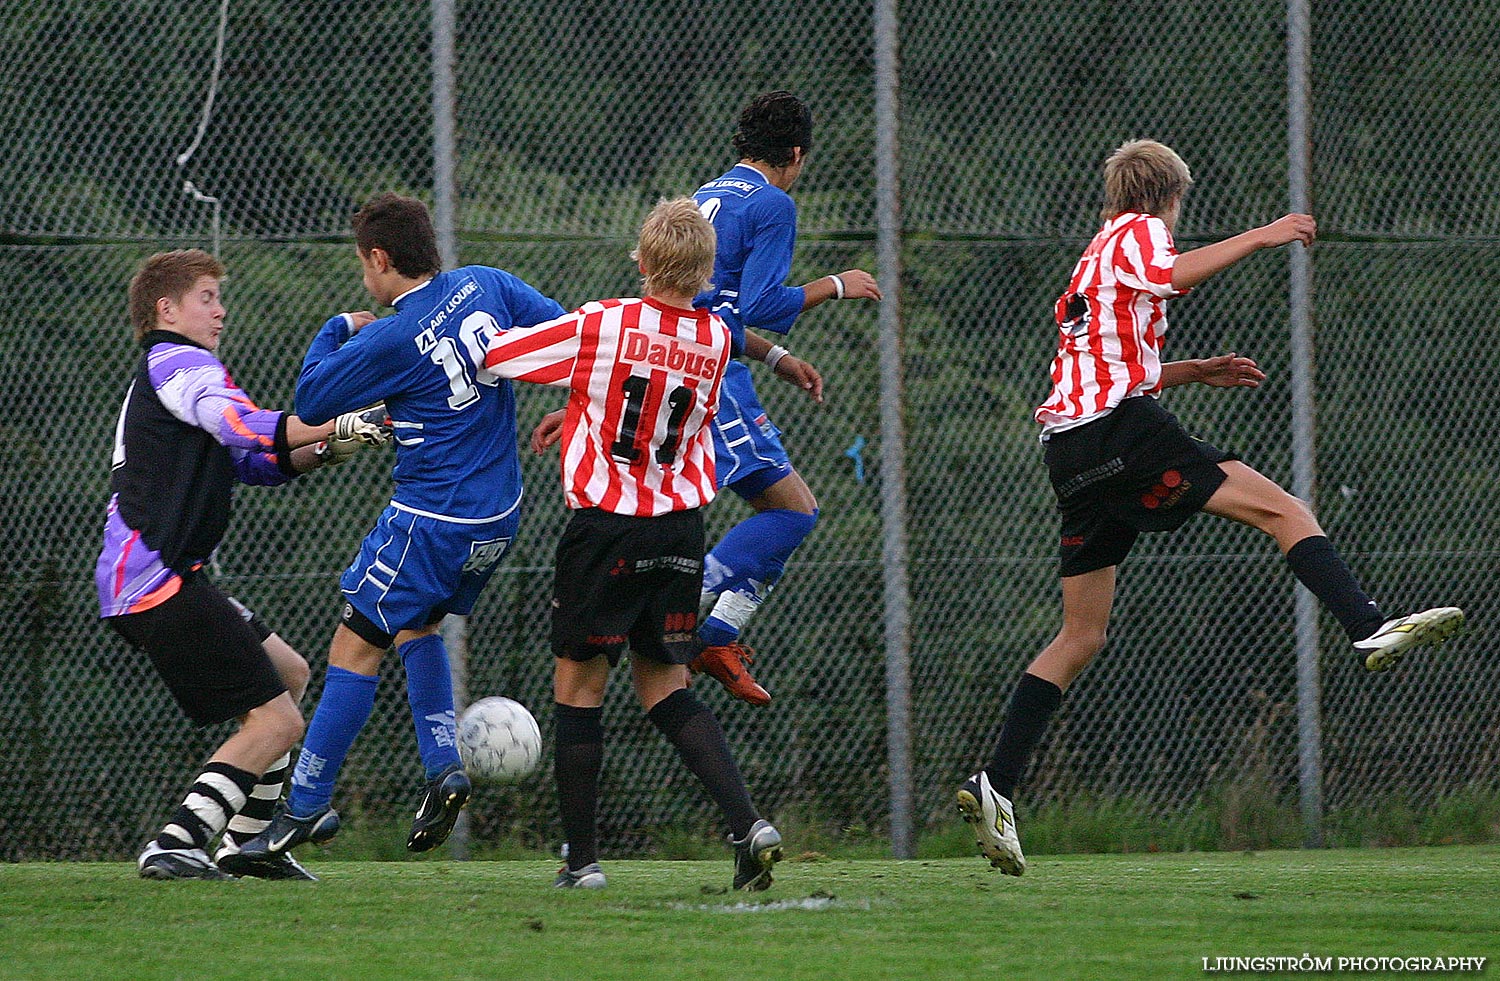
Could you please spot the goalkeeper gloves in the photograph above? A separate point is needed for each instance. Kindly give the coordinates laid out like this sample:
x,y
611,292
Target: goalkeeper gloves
x,y
366,427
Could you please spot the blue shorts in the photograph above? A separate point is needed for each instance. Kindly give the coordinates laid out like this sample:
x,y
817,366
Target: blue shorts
x,y
412,569
748,455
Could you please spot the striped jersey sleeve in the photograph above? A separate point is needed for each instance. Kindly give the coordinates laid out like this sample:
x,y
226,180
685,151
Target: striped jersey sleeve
x,y
1111,322
644,383
195,387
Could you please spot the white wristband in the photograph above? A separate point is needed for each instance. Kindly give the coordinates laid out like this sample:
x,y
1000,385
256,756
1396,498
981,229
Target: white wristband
x,y
838,286
773,357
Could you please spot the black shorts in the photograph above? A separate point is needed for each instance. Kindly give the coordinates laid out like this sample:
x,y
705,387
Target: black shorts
x,y
1133,470
249,616
204,649
627,581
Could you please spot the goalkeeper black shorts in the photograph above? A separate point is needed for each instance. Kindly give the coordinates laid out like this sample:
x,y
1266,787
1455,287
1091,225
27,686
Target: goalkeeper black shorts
x,y
203,648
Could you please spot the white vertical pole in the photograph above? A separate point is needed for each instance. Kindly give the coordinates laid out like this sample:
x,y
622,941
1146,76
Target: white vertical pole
x,y
1304,419
892,430
455,630
444,131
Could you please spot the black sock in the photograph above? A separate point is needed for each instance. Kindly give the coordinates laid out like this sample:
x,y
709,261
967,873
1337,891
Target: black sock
x,y
1031,708
215,797
1316,563
576,766
693,728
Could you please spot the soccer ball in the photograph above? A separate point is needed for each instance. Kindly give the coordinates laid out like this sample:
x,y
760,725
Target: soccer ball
x,y
498,740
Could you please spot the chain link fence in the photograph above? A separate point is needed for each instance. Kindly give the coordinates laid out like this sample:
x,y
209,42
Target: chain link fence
x,y
573,118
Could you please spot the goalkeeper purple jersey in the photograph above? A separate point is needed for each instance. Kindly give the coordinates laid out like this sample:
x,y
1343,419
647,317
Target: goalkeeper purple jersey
x,y
756,225
454,421
185,435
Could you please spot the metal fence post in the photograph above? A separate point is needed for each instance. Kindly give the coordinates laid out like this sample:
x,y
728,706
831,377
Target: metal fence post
x,y
444,132
455,630
892,432
1304,451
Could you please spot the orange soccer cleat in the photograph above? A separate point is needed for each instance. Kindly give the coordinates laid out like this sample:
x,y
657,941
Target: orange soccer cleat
x,y
727,665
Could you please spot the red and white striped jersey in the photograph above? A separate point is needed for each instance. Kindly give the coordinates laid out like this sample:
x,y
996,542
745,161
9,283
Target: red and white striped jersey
x,y
1111,321
644,379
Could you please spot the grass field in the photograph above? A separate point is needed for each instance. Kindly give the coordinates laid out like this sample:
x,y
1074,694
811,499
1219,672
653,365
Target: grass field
x,y
1072,916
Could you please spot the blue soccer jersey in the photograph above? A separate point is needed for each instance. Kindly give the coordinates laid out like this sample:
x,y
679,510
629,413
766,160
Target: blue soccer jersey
x,y
454,421
756,224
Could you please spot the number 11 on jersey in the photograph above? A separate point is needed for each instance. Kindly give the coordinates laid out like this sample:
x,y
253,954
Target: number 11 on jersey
x,y
632,441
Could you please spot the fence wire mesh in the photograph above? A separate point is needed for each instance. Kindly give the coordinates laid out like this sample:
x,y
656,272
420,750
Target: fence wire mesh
x,y
573,118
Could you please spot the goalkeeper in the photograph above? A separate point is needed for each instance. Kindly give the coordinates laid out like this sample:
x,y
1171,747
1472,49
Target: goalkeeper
x,y
185,434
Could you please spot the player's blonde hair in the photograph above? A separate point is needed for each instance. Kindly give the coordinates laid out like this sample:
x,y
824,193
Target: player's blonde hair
x,y
167,274
676,249
1143,176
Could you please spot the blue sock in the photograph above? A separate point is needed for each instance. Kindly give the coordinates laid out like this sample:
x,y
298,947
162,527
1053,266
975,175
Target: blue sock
x,y
343,709
429,689
750,559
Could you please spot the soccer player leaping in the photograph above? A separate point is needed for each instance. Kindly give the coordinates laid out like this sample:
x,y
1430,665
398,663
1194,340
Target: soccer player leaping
x,y
1120,464
644,378
756,223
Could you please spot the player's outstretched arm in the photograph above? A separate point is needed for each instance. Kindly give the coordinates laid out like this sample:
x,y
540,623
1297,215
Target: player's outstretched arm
x,y
1224,371
351,431
785,366
851,284
1198,265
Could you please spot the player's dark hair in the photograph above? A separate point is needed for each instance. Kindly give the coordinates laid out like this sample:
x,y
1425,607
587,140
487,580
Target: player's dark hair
x,y
167,274
402,227
771,125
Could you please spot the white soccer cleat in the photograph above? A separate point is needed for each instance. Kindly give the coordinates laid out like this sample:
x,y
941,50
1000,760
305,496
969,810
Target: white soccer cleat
x,y
589,877
994,824
1387,645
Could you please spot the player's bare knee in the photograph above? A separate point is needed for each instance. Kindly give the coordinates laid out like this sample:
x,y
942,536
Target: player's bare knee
x,y
290,727
295,674
1288,519
1301,513
1080,644
278,722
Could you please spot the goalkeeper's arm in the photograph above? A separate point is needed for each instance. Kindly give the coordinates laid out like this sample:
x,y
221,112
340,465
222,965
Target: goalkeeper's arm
x,y
352,430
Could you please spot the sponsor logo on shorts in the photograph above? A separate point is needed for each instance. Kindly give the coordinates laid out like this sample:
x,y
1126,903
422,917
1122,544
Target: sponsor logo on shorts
x,y
671,563
605,640
1103,471
348,613
1167,492
1072,541
482,555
